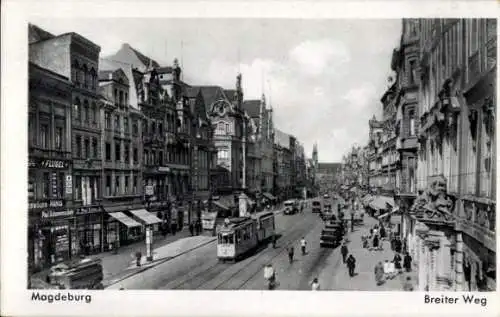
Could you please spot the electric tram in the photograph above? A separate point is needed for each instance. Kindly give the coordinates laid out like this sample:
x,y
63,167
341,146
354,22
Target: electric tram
x,y
237,236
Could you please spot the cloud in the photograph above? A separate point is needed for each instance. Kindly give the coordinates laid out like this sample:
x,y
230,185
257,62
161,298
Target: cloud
x,y
324,78
361,97
315,56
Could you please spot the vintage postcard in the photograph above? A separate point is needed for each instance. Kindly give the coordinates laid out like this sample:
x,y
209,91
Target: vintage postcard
x,y
307,158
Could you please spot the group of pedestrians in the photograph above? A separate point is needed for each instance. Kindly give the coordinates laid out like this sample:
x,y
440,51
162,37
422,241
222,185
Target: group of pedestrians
x,y
374,240
195,227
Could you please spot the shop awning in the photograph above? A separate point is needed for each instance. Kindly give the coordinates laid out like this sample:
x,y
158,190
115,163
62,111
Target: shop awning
x,y
388,213
220,205
269,196
382,203
146,216
121,217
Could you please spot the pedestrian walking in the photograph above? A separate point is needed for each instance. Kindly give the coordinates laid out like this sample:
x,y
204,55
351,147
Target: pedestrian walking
x,y
351,265
397,262
303,244
344,251
407,262
191,228
408,285
275,238
382,232
291,251
352,222
315,285
375,242
379,273
387,270
138,257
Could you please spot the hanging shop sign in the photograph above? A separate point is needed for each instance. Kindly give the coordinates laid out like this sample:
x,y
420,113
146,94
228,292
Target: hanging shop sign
x,y
45,163
54,214
68,184
53,203
156,204
149,190
87,210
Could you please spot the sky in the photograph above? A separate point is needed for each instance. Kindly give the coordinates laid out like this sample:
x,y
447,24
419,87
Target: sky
x,y
323,78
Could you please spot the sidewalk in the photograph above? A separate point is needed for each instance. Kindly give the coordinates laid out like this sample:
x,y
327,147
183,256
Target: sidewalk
x,y
115,263
364,280
160,255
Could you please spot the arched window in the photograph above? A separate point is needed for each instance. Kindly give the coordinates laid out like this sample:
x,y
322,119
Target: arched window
x,y
93,77
76,109
85,77
85,116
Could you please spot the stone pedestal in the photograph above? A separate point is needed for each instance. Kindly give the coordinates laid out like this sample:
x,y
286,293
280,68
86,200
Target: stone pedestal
x,y
243,203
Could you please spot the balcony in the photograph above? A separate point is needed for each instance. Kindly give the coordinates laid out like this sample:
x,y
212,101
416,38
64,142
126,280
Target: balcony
x,y
49,153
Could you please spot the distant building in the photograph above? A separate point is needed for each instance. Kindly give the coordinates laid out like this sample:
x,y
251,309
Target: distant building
x,y
326,176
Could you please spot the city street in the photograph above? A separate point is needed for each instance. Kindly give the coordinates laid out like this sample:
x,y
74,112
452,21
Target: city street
x,y
200,269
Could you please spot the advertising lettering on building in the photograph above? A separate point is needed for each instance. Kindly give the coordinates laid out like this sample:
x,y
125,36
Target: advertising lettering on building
x,y
47,163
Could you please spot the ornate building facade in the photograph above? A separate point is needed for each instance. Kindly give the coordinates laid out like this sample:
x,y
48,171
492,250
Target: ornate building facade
x,y
450,228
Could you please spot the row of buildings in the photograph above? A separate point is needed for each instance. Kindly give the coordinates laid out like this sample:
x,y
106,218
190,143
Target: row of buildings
x,y
120,142
433,153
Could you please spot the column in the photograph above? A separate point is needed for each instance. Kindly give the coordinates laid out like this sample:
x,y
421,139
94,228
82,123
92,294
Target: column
x,y
422,268
459,256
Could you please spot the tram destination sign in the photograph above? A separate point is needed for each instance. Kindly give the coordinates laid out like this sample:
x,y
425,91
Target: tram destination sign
x,y
47,163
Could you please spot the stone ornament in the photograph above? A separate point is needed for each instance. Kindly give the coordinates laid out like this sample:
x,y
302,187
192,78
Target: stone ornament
x,y
434,203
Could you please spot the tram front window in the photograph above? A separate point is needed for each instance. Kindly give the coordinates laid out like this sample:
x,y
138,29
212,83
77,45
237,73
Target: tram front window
x,y
226,238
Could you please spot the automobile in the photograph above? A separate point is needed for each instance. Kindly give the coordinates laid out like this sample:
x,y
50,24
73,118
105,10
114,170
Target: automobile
x,y
332,235
316,206
291,207
327,213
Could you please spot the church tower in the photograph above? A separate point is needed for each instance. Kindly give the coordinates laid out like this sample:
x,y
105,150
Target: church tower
x,y
315,155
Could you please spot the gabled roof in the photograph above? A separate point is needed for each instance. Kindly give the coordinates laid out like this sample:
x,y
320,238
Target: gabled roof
x,y
36,34
113,65
252,107
127,54
211,94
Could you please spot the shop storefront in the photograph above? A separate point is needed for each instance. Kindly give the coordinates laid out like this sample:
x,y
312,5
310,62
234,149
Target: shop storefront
x,y
161,209
49,233
122,229
88,227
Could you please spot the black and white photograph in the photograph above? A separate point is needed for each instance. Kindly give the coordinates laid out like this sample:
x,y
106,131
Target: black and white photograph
x,y
156,154
224,154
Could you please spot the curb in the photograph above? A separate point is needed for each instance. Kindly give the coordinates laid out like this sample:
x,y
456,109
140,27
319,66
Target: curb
x,y
156,263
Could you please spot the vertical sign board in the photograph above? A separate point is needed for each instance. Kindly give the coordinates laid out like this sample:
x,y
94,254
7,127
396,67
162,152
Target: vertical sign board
x,y
69,185
53,184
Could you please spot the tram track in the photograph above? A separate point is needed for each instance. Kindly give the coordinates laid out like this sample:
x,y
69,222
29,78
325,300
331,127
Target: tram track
x,y
291,236
205,275
218,268
255,272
